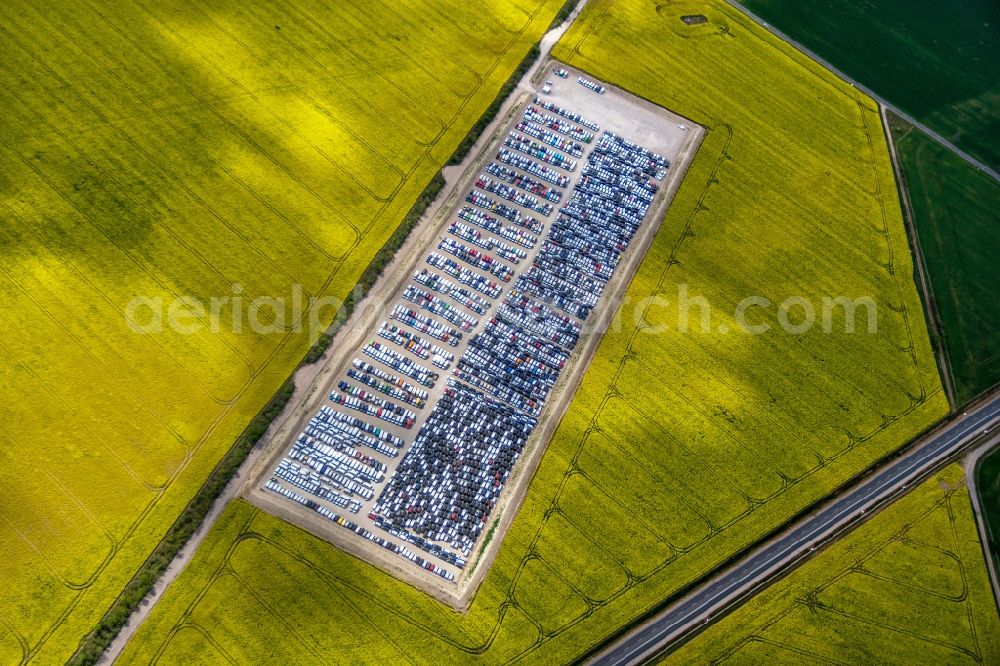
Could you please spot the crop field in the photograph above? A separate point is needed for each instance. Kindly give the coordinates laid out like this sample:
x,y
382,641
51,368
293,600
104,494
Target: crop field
x,y
936,61
907,587
203,149
955,210
679,449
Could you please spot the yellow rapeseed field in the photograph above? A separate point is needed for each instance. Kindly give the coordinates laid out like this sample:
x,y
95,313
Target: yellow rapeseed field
x,y
908,587
679,449
198,150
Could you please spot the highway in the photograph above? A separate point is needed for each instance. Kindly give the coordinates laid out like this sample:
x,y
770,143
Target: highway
x,y
733,584
985,168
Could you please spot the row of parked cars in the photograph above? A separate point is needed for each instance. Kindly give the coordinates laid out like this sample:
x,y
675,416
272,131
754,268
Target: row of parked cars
x,y
512,194
442,492
439,306
330,424
547,174
448,483
273,485
403,338
424,324
591,85
364,533
565,113
435,549
503,210
443,285
535,115
476,258
386,356
387,383
525,182
325,463
522,237
367,402
525,145
464,275
585,243
490,243
549,138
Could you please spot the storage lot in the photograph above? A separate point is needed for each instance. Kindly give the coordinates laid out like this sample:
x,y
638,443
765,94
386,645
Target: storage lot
x,y
444,394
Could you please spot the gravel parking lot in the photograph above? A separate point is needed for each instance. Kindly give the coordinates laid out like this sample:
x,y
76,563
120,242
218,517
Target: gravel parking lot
x,y
446,323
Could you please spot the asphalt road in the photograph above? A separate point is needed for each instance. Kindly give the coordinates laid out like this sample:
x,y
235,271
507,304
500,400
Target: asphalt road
x,y
985,168
729,587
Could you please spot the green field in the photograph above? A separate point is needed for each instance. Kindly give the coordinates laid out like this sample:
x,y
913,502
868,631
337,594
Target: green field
x,y
679,449
176,149
955,211
907,587
937,61
988,487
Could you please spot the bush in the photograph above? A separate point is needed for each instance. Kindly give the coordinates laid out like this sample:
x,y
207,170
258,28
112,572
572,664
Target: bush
x,y
563,13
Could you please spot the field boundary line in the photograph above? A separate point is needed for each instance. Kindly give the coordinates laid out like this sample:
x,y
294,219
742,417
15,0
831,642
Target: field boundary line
x,y
920,264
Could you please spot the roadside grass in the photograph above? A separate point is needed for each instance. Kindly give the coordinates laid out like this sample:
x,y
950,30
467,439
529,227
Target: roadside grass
x,y
955,209
936,61
907,587
190,150
679,449
988,487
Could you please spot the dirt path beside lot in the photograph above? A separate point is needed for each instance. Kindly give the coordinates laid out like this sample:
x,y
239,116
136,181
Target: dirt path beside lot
x,y
308,377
